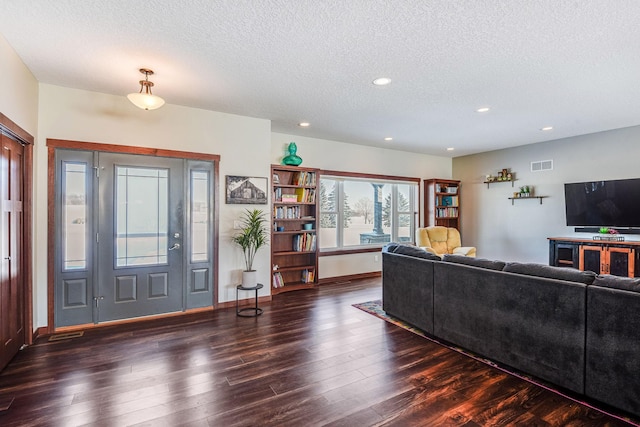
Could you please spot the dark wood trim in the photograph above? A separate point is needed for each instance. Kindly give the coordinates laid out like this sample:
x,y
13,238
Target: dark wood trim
x,y
146,151
134,320
350,251
22,134
216,233
51,187
369,176
338,279
40,332
52,145
28,242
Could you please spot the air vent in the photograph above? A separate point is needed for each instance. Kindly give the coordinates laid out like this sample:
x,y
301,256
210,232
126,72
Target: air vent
x,y
542,165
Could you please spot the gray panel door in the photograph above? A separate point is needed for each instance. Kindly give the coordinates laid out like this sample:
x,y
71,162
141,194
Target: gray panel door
x,y
140,236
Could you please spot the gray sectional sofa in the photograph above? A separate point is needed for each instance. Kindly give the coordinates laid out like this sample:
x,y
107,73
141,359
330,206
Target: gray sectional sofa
x,y
571,328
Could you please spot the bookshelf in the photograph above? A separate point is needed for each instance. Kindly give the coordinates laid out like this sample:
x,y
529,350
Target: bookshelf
x,y
442,202
294,242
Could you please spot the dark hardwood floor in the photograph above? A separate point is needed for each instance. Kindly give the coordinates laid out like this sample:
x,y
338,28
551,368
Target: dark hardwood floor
x,y
310,359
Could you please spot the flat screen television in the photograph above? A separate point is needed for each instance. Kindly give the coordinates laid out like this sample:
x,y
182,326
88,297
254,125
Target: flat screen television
x,y
613,203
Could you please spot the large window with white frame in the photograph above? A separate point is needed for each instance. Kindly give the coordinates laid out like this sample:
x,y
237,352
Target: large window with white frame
x,y
366,211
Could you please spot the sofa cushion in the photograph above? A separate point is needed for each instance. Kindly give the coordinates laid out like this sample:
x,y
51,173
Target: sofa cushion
x,y
475,262
616,282
414,251
550,272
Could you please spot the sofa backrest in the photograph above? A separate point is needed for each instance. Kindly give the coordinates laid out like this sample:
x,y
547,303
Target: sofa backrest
x,y
475,262
414,251
551,272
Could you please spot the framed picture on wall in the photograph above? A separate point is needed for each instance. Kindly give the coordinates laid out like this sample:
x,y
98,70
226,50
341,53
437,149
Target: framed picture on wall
x,y
246,190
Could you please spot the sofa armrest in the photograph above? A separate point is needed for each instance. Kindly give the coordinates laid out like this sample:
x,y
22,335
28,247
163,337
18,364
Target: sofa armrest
x,y
465,250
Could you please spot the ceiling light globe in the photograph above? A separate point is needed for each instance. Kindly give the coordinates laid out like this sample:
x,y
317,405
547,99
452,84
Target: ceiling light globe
x,y
381,81
145,101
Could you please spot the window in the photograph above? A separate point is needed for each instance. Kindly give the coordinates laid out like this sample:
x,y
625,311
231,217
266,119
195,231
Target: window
x,y
357,212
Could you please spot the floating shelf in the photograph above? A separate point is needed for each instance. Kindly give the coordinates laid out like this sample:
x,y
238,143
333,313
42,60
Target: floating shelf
x,y
496,182
525,198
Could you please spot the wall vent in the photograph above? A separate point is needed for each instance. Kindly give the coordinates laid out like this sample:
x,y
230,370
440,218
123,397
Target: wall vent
x,y
542,165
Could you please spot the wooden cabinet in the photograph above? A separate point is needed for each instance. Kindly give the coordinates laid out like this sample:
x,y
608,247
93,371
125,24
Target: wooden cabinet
x,y
442,202
616,258
294,243
607,260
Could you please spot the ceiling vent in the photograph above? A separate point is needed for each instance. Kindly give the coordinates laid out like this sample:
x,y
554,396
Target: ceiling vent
x,y
542,165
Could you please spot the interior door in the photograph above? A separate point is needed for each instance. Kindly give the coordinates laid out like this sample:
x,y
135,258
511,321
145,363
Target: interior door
x,y
140,236
11,235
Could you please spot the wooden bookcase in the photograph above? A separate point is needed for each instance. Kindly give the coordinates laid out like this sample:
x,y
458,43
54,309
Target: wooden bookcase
x,y
442,203
294,245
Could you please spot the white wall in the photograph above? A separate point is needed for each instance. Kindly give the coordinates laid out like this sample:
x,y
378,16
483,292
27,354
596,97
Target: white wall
x,y
519,232
243,144
18,90
340,156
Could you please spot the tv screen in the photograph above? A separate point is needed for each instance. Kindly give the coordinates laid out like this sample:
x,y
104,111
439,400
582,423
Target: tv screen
x,y
614,203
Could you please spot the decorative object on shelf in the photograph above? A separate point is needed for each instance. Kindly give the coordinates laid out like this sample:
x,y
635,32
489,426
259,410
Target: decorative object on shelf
x,y
246,190
504,175
145,99
292,159
609,235
252,235
526,191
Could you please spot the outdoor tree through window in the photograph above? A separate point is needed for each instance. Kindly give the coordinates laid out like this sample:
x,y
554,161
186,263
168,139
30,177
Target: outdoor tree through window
x,y
369,212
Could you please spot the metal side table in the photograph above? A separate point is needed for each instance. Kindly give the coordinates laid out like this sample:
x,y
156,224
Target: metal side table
x,y
248,311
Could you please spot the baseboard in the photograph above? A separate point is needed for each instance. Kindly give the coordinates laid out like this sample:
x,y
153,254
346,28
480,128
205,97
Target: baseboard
x,y
243,301
336,279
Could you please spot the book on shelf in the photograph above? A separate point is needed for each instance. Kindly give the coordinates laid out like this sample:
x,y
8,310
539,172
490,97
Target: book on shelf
x,y
308,275
278,282
286,212
305,242
304,178
449,201
446,212
306,195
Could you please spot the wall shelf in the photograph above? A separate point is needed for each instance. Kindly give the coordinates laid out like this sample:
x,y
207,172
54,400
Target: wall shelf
x,y
525,198
496,182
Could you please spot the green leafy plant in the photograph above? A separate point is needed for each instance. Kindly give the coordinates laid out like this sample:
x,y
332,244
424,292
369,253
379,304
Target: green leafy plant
x,y
253,235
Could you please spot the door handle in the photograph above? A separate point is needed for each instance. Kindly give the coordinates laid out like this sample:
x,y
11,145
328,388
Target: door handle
x,y
175,246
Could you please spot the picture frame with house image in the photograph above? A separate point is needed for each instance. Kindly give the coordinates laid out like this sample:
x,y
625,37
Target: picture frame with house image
x,y
247,190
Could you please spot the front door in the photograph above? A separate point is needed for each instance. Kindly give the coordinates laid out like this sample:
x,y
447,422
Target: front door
x,y
133,236
11,234
141,228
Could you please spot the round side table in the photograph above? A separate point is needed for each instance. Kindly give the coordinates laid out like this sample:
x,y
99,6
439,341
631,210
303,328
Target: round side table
x,y
248,311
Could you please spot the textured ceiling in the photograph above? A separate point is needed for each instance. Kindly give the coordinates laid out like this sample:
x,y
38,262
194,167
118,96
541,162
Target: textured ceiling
x,y
573,65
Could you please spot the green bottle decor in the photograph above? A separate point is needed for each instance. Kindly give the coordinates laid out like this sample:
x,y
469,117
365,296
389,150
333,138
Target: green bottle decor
x,y
292,159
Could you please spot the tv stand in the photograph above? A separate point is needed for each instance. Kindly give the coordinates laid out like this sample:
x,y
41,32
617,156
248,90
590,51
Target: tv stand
x,y
602,257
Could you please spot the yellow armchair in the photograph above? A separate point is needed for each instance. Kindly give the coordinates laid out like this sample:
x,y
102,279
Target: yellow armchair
x,y
442,240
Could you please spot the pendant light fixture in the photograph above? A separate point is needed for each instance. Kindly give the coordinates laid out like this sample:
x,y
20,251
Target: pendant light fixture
x,y
145,99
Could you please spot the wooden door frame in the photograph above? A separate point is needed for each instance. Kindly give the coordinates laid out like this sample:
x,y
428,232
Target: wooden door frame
x,y
53,144
27,141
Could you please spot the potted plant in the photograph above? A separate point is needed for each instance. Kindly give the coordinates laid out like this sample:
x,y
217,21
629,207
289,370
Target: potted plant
x,y
252,235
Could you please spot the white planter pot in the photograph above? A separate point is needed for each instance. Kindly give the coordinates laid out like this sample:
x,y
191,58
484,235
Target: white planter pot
x,y
249,278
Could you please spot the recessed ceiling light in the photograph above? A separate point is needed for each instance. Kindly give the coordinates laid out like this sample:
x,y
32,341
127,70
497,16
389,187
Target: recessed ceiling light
x,y
450,149
388,138
304,124
381,81
547,128
483,110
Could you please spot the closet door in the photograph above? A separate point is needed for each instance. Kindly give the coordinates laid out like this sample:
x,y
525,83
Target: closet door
x,y
11,246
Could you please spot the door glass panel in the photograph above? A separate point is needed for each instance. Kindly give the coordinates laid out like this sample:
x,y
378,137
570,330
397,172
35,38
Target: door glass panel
x,y
199,216
142,196
74,213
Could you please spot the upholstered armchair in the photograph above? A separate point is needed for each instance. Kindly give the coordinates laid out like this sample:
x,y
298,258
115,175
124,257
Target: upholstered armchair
x,y
442,240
